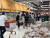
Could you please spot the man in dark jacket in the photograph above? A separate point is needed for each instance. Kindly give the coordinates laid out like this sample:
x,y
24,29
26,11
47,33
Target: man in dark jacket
x,y
26,19
17,19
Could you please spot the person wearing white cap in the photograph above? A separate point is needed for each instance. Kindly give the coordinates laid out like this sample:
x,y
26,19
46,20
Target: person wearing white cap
x,y
3,19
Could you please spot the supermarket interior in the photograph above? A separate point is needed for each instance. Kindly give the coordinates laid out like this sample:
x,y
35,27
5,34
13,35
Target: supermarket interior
x,y
24,18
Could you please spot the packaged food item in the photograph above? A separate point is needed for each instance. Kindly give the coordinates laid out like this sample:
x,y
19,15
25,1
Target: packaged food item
x,y
37,32
37,37
44,29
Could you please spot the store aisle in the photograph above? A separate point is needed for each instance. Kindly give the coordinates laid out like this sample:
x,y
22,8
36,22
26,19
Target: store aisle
x,y
20,32
8,33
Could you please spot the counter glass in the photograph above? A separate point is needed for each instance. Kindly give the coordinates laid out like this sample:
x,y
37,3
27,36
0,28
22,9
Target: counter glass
x,y
11,16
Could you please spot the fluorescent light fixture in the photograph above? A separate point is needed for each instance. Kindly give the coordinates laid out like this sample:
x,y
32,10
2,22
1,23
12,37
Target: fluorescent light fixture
x,y
42,9
33,8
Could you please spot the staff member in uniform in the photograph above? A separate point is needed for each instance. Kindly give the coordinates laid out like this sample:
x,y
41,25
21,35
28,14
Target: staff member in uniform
x,y
3,19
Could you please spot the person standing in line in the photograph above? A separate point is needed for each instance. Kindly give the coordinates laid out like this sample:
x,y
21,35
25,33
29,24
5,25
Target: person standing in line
x,y
35,16
23,15
3,19
23,18
26,19
42,17
29,18
39,17
17,19
32,17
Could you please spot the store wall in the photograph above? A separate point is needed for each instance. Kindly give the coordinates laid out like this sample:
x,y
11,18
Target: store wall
x,y
0,3
7,4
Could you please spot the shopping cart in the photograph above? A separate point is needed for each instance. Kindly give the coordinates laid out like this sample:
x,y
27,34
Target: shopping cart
x,y
11,29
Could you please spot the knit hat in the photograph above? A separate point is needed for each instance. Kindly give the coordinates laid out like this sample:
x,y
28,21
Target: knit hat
x,y
3,12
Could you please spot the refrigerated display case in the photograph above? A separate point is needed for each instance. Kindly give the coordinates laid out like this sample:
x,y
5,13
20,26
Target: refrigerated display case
x,y
11,15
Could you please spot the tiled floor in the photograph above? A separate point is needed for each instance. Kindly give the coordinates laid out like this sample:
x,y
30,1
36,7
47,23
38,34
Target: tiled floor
x,y
19,32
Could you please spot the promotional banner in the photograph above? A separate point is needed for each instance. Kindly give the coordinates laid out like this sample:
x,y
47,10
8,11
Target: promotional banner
x,y
5,6
9,5
12,6
21,7
17,5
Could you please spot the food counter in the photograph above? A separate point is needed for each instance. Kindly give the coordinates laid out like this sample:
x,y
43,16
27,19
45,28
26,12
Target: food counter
x,y
7,24
12,21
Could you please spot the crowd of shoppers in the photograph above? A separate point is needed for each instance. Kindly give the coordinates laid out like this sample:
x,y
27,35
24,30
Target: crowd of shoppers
x,y
24,18
29,18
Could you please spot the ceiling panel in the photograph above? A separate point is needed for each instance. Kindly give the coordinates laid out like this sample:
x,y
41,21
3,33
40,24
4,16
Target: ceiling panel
x,y
34,1
24,0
